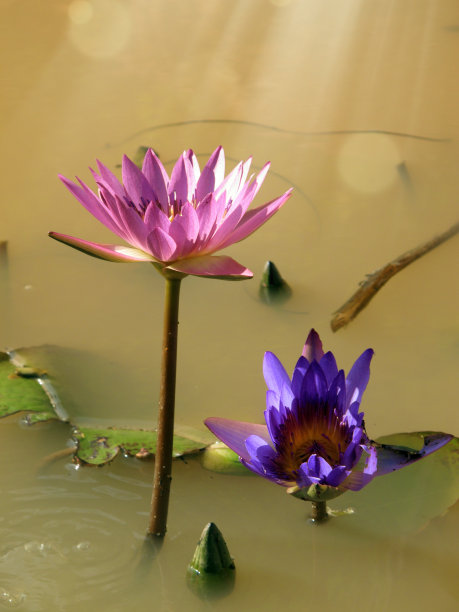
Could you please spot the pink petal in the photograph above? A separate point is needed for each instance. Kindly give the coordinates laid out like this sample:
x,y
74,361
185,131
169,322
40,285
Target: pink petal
x,y
109,252
135,230
195,167
209,266
182,184
250,190
110,180
212,174
210,211
157,177
225,229
91,202
254,218
188,220
235,433
313,347
156,217
230,183
161,245
237,208
137,187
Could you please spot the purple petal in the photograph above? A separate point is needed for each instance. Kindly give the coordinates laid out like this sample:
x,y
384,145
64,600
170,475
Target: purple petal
x,y
358,377
329,367
359,479
298,374
352,416
273,419
137,187
336,476
109,252
352,454
314,386
157,177
235,433
161,245
259,450
337,394
253,219
355,481
391,458
272,399
304,479
212,174
318,467
313,347
274,372
209,266
287,397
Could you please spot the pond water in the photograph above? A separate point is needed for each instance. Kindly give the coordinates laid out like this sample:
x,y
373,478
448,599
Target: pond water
x,y
355,105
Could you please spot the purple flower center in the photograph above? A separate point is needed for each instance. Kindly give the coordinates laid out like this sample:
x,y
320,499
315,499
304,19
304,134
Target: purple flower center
x,y
306,433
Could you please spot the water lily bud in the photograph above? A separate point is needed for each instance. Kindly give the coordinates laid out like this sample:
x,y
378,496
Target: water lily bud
x,y
273,288
211,572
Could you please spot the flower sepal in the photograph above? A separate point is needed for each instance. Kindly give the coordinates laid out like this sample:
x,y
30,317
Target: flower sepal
x,y
315,492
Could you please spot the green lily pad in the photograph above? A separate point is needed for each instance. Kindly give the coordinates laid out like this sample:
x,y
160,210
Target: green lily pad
x,y
25,389
98,446
406,500
219,458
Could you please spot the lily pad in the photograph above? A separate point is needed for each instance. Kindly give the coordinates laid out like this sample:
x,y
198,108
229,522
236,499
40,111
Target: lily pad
x,y
98,446
25,389
219,458
406,500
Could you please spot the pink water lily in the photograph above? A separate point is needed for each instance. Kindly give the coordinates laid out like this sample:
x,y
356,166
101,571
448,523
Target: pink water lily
x,y
175,222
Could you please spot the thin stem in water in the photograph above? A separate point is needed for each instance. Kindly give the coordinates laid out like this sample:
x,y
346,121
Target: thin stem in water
x,y
163,458
319,512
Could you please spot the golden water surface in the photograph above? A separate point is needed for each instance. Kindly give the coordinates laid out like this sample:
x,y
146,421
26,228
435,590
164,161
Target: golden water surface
x,y
355,103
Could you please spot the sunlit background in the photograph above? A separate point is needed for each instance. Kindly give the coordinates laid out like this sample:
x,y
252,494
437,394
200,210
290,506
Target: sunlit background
x,y
355,103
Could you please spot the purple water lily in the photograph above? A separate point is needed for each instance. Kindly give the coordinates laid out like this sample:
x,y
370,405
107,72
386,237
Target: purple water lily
x,y
314,440
175,223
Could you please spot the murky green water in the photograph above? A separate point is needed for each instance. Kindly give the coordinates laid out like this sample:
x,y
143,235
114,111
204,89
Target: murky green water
x,y
354,90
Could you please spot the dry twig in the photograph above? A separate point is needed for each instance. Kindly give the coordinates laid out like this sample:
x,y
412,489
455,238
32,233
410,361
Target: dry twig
x,y
374,281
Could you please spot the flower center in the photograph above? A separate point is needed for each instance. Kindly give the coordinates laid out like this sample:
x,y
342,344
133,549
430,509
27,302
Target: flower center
x,y
322,435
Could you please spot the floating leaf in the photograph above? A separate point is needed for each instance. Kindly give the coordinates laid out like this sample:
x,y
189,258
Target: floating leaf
x,y
219,458
98,446
406,500
26,389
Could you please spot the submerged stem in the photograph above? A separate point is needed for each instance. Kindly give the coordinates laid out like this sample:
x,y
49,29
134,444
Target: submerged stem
x,y
319,512
163,458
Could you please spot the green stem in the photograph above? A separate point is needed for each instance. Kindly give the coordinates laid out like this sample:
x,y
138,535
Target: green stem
x,y
163,458
319,511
